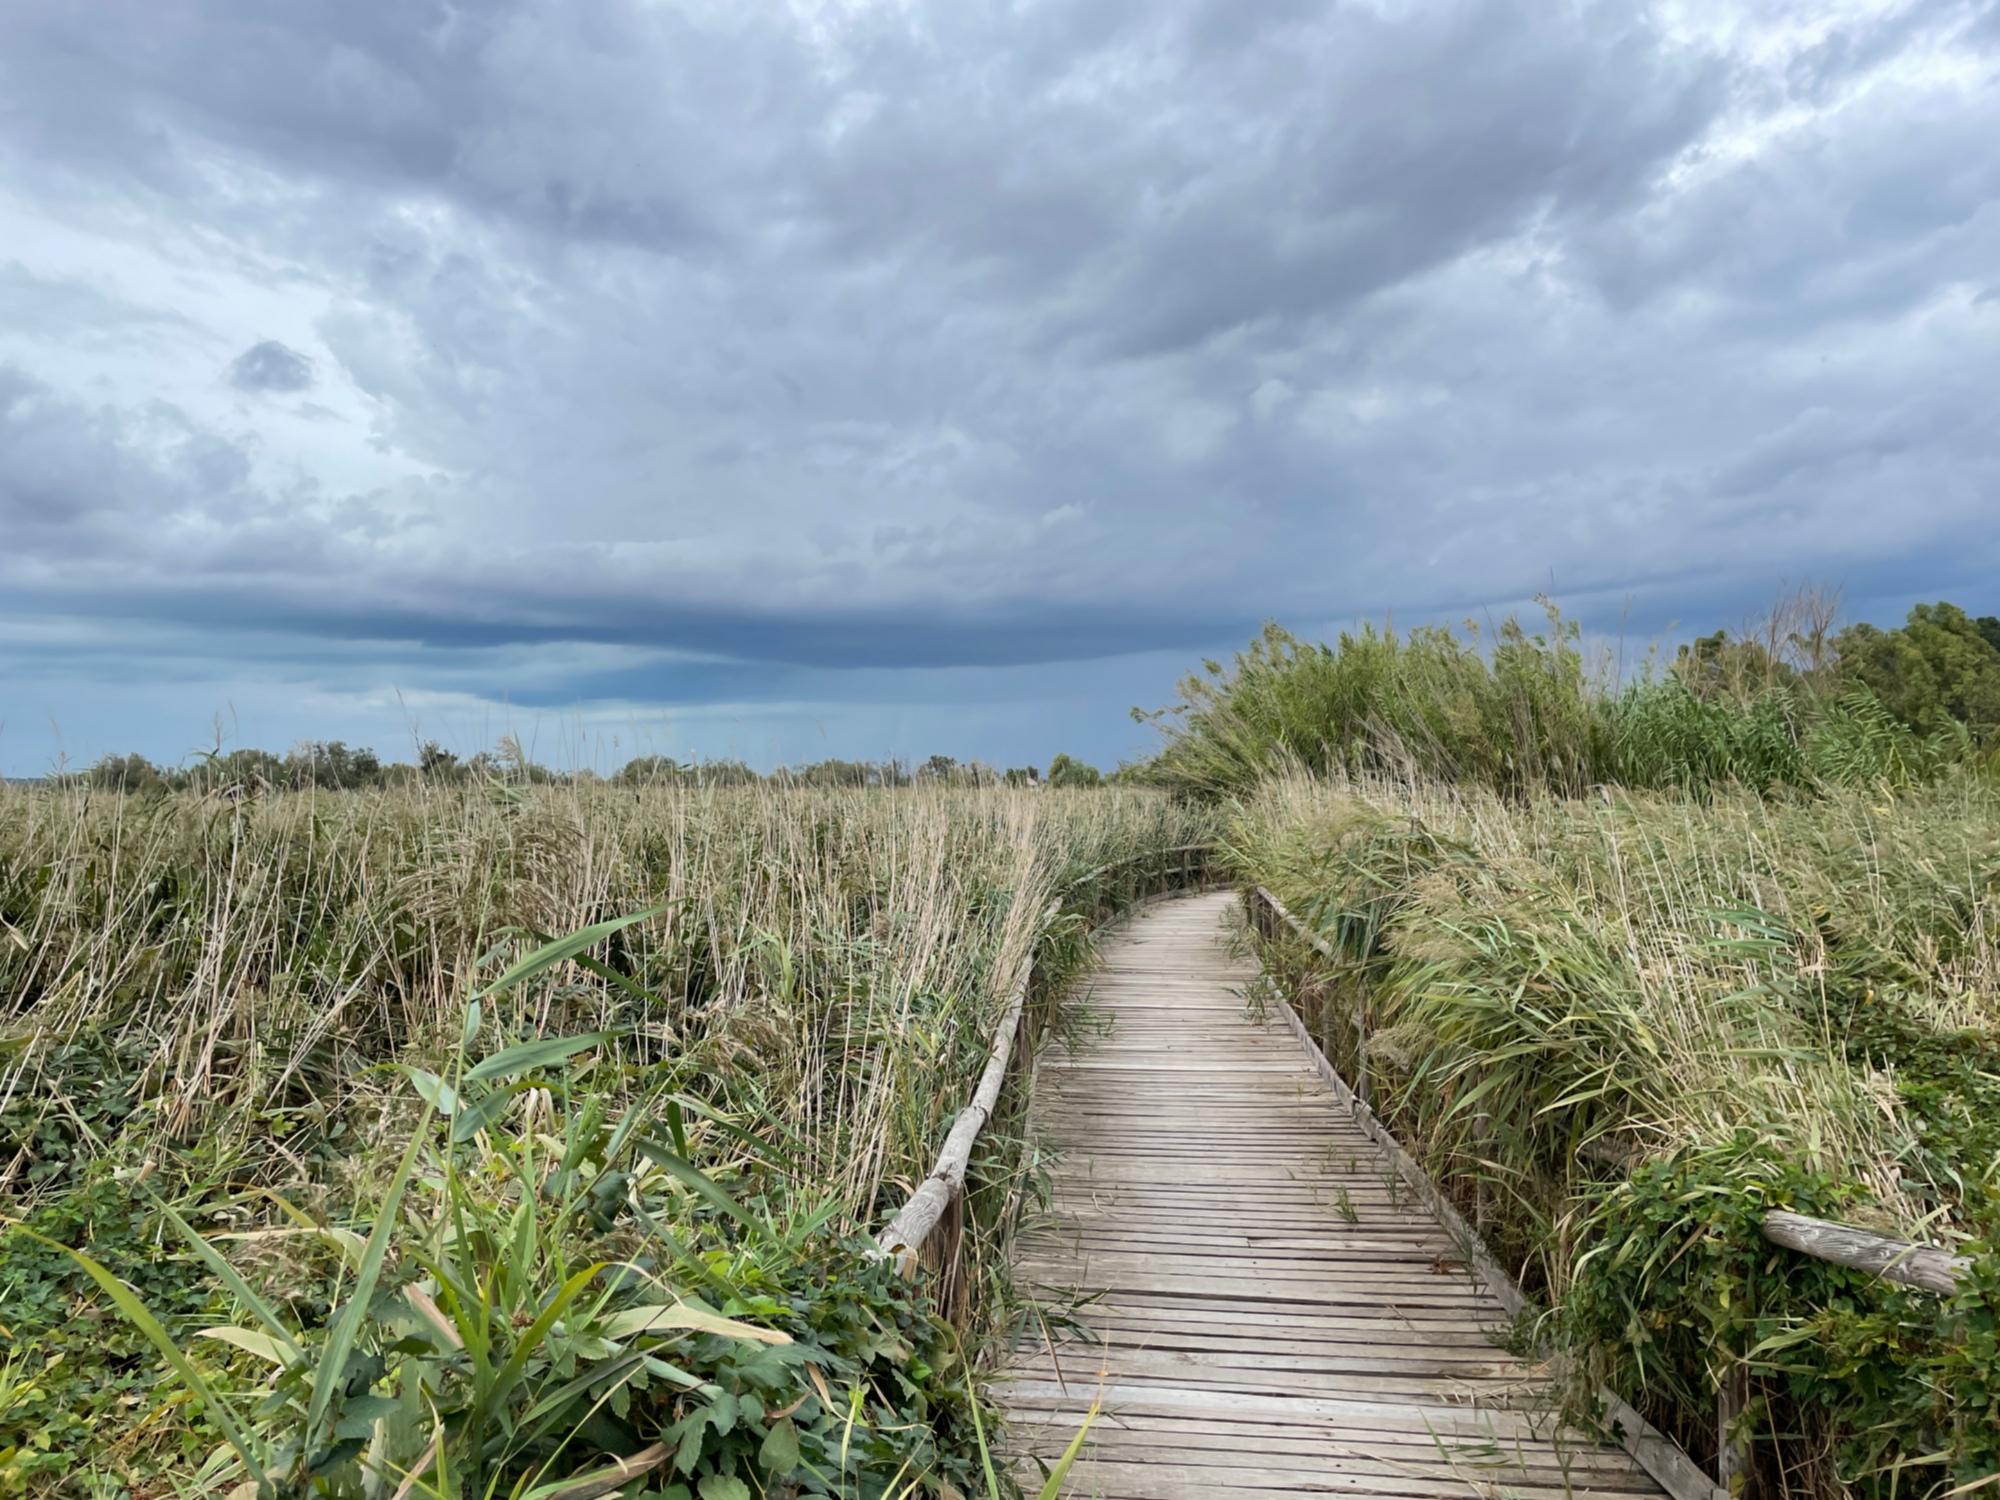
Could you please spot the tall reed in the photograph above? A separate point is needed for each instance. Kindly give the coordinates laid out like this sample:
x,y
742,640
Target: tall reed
x,y
1537,712
1605,1021
836,953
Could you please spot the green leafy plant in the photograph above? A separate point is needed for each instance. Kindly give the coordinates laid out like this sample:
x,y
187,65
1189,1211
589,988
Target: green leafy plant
x,y
488,1338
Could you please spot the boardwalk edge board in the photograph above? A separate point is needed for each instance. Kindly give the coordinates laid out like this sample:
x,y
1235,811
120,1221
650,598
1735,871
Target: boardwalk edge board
x,y
1654,1451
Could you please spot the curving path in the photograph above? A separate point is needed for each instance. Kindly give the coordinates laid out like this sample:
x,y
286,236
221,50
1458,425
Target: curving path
x,y
1277,1316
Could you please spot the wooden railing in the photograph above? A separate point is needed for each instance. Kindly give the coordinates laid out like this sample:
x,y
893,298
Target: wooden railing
x,y
938,1193
1925,1267
911,1239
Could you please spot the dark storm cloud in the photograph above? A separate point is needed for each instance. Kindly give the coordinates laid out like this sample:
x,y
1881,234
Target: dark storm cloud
x,y
270,366
985,333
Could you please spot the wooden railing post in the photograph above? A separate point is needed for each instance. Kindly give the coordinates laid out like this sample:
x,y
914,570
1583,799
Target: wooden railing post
x,y
1481,1123
1362,1089
1732,1446
1926,1267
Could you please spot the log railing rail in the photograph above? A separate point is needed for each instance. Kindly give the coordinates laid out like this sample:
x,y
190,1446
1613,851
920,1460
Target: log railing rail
x,y
1658,1454
903,1241
907,1235
1925,1267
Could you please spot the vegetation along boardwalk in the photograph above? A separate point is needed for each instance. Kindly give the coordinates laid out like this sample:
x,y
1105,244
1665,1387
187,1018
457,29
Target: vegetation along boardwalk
x,y
1230,1264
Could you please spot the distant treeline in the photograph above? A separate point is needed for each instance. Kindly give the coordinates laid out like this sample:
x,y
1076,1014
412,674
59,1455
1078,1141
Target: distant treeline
x,y
1788,702
332,765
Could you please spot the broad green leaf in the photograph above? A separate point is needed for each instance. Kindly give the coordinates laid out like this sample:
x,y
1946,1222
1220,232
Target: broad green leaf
x,y
675,1373
471,1032
432,1089
723,1487
525,1057
780,1453
723,1410
549,955
659,1317
661,1157
482,1114
520,1263
531,1338
263,1345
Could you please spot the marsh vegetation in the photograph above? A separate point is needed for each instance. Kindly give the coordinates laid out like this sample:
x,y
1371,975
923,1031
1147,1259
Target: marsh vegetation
x,y
462,1129
1639,964
416,1196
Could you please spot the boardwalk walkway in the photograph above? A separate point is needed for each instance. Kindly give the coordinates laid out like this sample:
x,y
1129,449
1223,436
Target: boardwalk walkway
x,y
1276,1317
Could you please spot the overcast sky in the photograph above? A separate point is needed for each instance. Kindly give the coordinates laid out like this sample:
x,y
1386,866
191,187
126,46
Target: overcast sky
x,y
942,375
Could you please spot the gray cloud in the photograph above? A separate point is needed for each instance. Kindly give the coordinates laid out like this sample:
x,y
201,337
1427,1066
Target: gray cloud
x,y
270,366
981,333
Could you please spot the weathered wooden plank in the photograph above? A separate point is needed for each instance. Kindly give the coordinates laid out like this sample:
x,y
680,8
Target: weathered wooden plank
x,y
1351,1413
1169,1481
1388,1460
1145,1434
1435,1338
1430,1374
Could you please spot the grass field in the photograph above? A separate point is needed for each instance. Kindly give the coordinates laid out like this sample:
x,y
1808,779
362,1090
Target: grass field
x,y
1619,1027
414,1220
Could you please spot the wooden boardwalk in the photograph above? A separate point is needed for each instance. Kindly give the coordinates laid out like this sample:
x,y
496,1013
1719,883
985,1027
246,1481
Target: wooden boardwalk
x,y
1268,1311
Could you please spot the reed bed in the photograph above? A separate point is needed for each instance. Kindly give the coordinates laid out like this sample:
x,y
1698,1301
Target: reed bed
x,y
257,954
1619,1027
215,992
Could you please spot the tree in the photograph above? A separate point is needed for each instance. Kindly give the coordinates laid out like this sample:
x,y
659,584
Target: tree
x,y
1939,667
330,764
648,768
1066,770
834,773
1721,666
126,773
